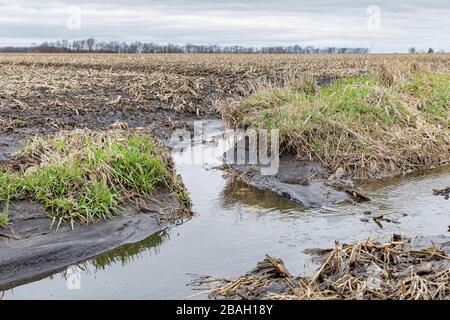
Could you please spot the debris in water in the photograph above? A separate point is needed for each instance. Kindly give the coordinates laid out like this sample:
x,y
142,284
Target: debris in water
x,y
442,192
363,270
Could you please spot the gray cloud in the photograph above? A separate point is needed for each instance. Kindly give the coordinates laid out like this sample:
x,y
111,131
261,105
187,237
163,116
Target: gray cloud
x,y
417,23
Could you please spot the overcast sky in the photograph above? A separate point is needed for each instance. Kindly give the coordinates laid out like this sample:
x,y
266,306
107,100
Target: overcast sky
x,y
385,26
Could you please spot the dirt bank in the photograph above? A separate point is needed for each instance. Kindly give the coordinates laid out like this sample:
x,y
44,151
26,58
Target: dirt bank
x,y
30,250
307,183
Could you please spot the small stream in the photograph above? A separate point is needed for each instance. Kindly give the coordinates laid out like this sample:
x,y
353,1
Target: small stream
x,y
236,226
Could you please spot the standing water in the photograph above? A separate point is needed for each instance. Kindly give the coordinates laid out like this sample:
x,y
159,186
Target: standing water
x,y
235,226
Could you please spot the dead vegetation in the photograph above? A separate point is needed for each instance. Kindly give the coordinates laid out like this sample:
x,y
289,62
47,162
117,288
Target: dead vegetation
x,y
392,121
363,270
94,85
442,192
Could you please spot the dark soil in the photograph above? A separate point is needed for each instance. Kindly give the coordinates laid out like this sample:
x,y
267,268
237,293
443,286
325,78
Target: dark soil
x,y
43,98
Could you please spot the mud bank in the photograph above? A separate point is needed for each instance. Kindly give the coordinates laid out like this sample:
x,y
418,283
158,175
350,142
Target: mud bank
x,y
243,224
31,250
307,183
345,125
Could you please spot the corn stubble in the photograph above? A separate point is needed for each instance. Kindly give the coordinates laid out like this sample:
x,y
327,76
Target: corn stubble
x,y
182,83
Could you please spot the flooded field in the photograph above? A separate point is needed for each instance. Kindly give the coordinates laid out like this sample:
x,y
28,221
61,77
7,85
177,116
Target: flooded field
x,y
235,226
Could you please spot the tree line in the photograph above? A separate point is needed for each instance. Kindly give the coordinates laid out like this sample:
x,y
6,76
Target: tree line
x,y
92,45
430,50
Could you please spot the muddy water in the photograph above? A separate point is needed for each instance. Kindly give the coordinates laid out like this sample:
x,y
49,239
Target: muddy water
x,y
235,227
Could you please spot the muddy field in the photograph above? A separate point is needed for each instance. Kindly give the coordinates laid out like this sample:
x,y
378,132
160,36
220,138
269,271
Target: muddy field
x,y
41,93
44,94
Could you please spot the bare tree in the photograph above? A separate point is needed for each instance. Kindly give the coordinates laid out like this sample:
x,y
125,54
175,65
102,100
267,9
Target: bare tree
x,y
90,43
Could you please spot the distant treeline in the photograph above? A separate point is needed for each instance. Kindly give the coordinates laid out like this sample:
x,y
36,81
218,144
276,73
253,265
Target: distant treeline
x,y
92,45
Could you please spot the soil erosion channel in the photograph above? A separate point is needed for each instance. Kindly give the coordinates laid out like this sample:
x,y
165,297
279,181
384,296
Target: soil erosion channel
x,y
236,225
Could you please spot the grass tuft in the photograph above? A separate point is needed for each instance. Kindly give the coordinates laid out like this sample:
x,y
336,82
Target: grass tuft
x,y
85,176
367,270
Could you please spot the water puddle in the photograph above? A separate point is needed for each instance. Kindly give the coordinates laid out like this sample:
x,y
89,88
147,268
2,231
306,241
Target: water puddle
x,y
235,227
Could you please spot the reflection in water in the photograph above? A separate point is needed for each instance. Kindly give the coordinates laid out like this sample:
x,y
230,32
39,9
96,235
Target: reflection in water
x,y
124,254
129,252
252,199
226,238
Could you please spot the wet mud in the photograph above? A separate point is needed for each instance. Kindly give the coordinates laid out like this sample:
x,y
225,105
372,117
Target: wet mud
x,y
399,269
31,248
304,182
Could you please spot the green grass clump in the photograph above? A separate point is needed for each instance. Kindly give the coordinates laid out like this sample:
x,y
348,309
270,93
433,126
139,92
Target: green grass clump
x,y
86,176
369,126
